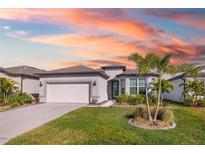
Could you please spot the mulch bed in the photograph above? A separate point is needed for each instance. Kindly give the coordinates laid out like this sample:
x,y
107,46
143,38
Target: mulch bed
x,y
145,124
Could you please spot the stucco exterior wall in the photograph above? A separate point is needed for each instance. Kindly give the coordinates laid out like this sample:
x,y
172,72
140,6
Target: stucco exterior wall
x,y
102,89
112,73
203,70
17,79
30,86
176,94
98,92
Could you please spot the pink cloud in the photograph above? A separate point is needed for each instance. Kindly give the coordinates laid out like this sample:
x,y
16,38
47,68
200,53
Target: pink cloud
x,y
95,43
85,18
194,20
98,48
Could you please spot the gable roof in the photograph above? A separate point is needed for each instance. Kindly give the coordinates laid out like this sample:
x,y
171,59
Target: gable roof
x,y
133,72
114,67
22,70
201,75
180,76
75,70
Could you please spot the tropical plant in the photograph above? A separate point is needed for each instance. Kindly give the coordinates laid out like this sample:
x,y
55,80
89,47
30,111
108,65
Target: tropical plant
x,y
144,65
152,99
166,87
7,87
122,98
135,99
130,99
201,102
18,99
165,116
194,89
162,66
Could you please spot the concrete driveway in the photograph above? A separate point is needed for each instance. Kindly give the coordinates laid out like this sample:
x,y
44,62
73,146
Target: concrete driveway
x,y
21,120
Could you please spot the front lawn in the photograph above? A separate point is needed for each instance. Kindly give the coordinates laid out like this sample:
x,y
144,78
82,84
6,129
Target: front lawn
x,y
109,126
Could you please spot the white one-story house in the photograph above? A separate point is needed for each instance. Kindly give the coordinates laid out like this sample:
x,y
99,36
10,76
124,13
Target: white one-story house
x,y
80,84
177,94
25,76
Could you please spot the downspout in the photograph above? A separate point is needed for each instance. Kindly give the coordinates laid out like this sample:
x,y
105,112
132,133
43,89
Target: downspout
x,y
21,84
184,80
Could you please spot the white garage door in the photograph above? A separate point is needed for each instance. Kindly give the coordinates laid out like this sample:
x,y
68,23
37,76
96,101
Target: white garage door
x,y
68,93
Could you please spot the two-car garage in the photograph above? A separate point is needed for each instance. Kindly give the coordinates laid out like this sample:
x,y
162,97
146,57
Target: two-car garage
x,y
68,92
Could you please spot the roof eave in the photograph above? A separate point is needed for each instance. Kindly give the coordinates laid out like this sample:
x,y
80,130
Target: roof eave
x,y
76,73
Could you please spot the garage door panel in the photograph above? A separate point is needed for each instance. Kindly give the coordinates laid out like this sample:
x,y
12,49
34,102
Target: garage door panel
x,y
68,93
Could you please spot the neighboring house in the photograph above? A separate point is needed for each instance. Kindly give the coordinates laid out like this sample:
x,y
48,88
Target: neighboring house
x,y
25,76
80,84
177,94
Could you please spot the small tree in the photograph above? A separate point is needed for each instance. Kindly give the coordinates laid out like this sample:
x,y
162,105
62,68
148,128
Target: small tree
x,y
7,87
144,66
162,66
193,89
166,87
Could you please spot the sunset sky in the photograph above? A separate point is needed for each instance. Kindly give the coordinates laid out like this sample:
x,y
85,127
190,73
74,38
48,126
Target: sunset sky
x,y
56,38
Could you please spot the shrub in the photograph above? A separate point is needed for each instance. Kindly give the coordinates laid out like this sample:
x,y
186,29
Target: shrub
x,y
1,98
167,117
14,100
130,99
123,98
135,99
201,102
25,98
188,101
152,99
140,112
19,99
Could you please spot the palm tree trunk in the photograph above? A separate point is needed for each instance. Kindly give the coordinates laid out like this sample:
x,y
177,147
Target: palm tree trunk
x,y
5,97
196,99
148,107
161,99
158,99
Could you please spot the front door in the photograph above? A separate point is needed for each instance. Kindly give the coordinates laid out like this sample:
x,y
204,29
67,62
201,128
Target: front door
x,y
115,89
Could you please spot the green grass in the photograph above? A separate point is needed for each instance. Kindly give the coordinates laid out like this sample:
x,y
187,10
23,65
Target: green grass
x,y
109,126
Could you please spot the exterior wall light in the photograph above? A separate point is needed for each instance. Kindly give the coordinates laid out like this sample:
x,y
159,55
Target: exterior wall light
x,y
40,84
94,83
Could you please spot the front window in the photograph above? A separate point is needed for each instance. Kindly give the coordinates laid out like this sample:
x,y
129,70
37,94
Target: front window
x,y
133,86
142,86
122,86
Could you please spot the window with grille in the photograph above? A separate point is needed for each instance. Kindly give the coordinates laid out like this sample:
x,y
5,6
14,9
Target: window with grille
x,y
122,81
133,86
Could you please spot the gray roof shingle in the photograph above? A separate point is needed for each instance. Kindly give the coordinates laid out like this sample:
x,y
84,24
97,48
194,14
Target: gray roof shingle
x,y
79,69
201,74
133,72
114,66
22,70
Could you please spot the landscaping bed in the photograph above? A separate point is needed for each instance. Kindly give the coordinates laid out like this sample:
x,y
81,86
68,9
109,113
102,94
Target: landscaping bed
x,y
11,96
165,118
17,100
8,107
110,126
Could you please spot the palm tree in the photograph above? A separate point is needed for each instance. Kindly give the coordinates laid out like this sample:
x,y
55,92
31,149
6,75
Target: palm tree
x,y
7,87
166,87
162,66
144,65
194,89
